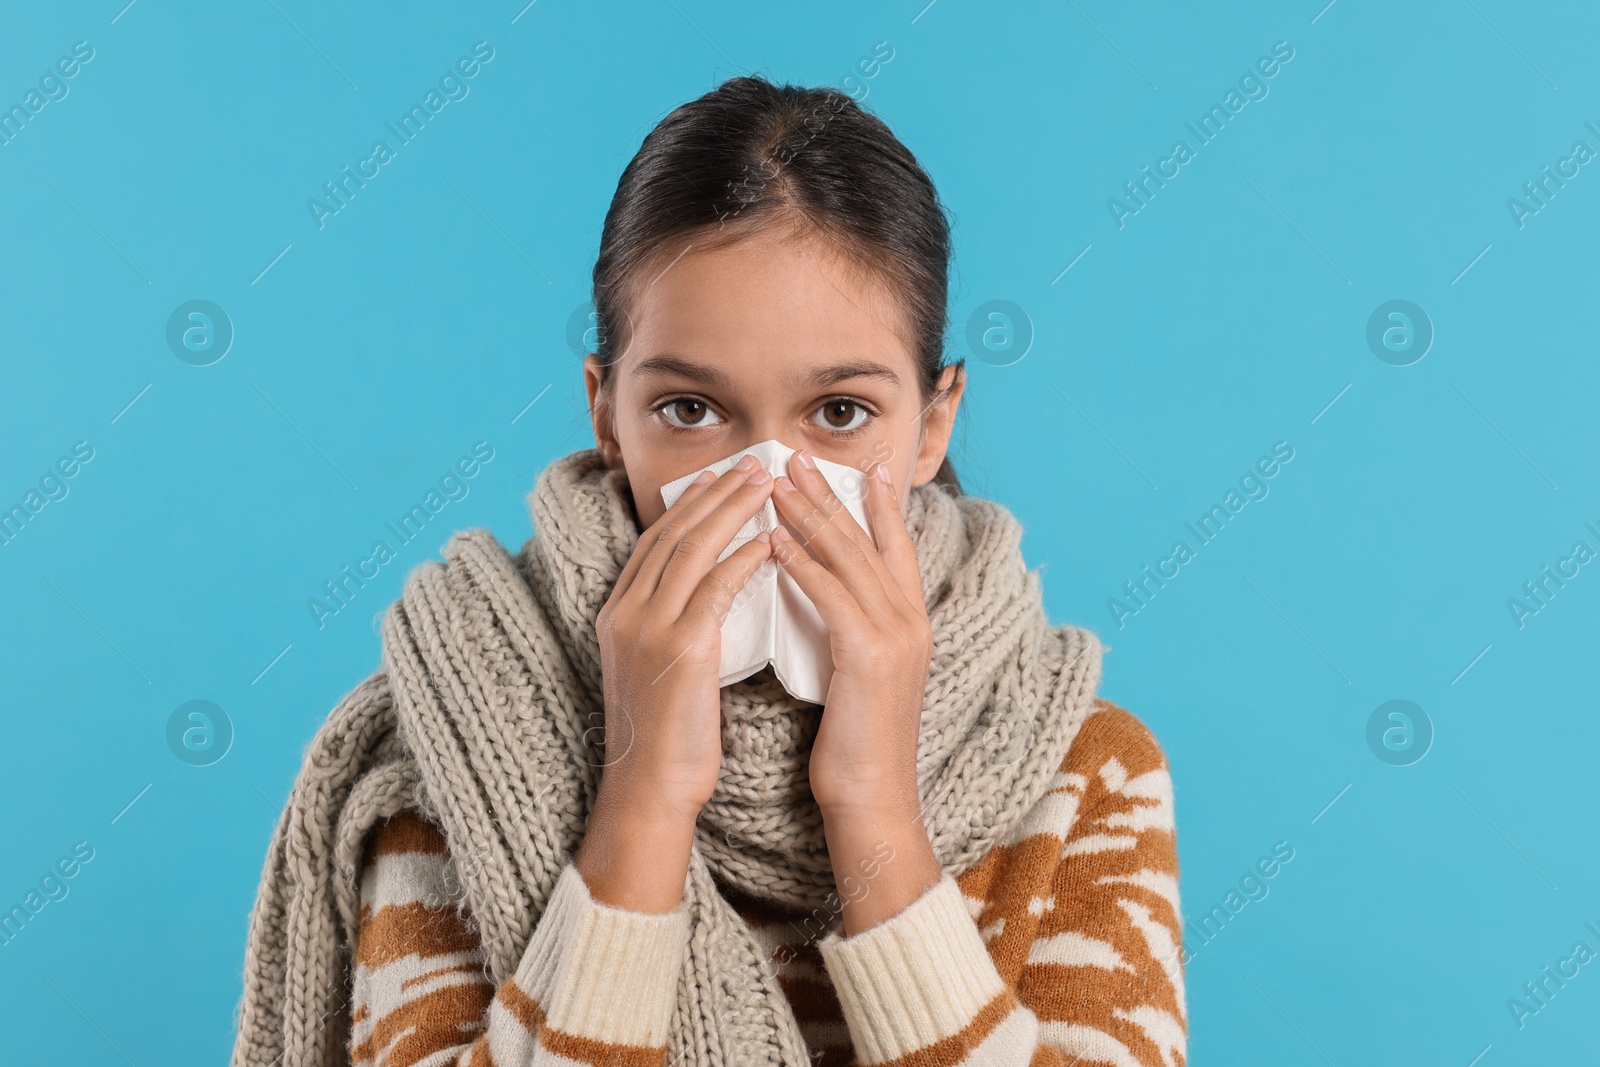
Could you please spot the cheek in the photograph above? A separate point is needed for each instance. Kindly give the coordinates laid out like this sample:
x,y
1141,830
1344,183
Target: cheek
x,y
892,442
647,503
905,499
648,507
902,467
900,454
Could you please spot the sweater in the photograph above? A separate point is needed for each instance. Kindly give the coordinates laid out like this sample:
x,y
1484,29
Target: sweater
x,y
1061,946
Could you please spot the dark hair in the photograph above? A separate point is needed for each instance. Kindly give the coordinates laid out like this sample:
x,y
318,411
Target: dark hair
x,y
751,154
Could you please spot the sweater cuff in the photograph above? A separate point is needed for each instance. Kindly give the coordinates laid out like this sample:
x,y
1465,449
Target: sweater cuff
x,y
606,973
915,979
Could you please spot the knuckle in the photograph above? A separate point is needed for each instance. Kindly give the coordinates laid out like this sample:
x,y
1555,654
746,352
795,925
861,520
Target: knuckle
x,y
690,543
717,587
857,553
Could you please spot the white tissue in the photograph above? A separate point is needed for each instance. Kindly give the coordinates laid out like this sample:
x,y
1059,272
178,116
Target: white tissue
x,y
772,620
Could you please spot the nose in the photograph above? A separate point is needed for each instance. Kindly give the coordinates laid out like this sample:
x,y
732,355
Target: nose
x,y
765,430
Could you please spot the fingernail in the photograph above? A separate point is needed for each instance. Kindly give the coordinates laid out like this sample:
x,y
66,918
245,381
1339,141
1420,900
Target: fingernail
x,y
705,476
780,533
883,472
803,458
763,536
748,463
756,477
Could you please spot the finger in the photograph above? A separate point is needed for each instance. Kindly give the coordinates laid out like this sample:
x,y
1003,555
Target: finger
x,y
841,612
723,591
673,530
648,538
895,545
826,538
811,482
700,548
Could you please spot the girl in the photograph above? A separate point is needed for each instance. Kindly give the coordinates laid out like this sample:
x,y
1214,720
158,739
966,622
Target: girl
x,y
543,832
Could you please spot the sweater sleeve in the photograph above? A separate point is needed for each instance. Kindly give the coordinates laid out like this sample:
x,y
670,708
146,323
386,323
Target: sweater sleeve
x,y
1078,959
596,985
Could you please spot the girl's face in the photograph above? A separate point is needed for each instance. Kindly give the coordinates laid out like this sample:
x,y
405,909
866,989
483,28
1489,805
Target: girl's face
x,y
769,337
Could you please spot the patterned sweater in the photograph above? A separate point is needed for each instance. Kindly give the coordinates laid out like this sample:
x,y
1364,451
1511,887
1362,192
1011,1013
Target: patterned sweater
x,y
1060,947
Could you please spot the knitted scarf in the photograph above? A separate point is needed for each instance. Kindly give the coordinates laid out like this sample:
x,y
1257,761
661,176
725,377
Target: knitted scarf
x,y
486,716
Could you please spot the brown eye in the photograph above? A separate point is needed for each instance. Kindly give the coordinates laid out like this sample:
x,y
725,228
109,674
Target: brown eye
x,y
840,414
690,409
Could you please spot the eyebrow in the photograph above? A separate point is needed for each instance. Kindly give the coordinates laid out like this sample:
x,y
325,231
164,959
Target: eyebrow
x,y
823,377
683,368
819,377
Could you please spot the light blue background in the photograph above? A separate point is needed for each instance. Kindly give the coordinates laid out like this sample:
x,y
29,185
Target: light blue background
x,y
1226,316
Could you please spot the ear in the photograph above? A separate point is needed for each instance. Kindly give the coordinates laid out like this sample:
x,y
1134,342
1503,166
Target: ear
x,y
938,422
600,414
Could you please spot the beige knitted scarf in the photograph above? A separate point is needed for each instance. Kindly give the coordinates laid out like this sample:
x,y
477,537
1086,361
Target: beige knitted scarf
x,y
486,716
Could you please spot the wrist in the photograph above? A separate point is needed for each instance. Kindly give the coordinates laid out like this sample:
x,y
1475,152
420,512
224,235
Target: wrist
x,y
882,801
880,865
642,803
635,851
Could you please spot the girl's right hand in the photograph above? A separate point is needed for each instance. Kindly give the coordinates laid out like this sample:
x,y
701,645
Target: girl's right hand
x,y
660,636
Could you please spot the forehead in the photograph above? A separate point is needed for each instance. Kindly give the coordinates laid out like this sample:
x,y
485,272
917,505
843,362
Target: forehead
x,y
799,300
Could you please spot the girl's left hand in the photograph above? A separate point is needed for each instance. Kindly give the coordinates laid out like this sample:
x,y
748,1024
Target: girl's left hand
x,y
864,759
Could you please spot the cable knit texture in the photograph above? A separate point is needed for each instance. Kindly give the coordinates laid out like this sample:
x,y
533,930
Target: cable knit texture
x,y
1077,909
485,719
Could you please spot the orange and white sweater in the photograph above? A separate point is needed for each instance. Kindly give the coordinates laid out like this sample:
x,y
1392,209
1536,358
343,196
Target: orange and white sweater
x,y
1060,947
